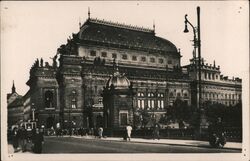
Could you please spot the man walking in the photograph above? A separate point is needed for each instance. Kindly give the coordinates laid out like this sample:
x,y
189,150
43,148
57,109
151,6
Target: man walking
x,y
37,141
156,132
129,130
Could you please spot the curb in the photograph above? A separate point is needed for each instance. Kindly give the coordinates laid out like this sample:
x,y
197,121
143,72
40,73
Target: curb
x,y
201,146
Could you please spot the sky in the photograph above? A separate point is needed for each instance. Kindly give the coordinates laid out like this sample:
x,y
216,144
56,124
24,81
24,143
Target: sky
x,y
31,30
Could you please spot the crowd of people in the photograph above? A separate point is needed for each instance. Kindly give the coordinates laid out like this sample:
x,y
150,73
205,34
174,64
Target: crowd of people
x,y
97,132
33,139
22,139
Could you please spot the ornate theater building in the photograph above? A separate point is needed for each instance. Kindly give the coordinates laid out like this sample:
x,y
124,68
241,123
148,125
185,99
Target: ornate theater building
x,y
108,72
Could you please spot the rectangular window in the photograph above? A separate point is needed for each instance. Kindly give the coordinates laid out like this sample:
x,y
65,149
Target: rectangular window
x,y
100,100
124,56
139,103
169,61
162,104
142,104
92,53
152,103
73,103
114,55
161,61
143,58
159,104
134,58
104,54
152,60
123,118
149,104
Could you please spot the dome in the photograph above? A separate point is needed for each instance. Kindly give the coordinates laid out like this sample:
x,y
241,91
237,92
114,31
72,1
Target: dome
x,y
118,80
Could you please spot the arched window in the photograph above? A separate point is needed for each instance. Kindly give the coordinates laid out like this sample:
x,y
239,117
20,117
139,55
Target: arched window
x,y
140,94
48,99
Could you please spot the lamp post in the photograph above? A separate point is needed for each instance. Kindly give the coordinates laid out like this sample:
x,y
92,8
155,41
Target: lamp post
x,y
133,108
197,45
33,112
84,103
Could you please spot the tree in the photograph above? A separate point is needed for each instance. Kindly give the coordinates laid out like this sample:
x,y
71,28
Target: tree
x,y
142,118
231,115
181,111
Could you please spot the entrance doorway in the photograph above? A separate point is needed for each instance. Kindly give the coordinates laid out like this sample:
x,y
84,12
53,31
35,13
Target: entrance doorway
x,y
99,121
50,122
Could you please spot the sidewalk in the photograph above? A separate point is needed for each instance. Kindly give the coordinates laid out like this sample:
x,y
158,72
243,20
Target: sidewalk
x,y
196,143
11,150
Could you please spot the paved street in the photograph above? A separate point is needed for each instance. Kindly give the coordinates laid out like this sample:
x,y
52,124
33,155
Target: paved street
x,y
83,145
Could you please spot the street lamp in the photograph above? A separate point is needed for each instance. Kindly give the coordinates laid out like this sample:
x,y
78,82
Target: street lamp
x,y
33,112
197,44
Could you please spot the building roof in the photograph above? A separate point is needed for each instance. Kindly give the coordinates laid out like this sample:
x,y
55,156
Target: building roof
x,y
17,102
100,31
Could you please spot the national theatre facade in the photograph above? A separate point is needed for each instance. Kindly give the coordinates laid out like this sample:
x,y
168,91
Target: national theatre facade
x,y
107,72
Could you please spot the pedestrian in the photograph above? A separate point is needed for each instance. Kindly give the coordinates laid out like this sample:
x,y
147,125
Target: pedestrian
x,y
156,132
100,131
129,130
92,131
23,136
15,139
81,131
58,129
38,140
